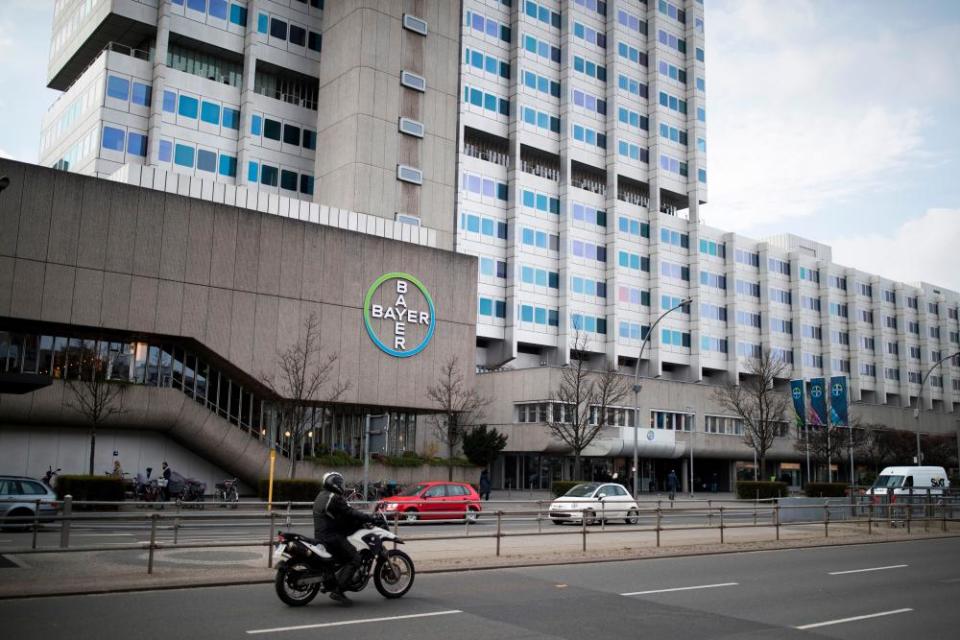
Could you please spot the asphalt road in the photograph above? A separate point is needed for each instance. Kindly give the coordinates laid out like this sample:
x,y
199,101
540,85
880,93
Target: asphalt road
x,y
904,589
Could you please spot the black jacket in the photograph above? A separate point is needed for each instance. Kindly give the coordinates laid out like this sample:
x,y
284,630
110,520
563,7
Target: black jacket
x,y
333,516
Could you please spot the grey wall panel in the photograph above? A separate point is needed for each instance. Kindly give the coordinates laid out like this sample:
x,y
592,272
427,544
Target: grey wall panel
x,y
169,307
33,232
57,293
219,313
87,297
116,303
352,285
291,260
288,324
313,276
195,304
199,242
350,352
146,257
10,208
241,329
334,255
122,232
143,304
65,218
173,244
224,252
247,259
265,334
271,243
27,297
94,225
6,284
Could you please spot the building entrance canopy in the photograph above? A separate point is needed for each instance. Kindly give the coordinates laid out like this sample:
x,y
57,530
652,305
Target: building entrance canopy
x,y
651,443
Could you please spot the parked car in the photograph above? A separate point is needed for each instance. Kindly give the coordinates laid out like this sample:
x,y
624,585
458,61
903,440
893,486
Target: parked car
x,y
905,480
18,498
433,501
592,501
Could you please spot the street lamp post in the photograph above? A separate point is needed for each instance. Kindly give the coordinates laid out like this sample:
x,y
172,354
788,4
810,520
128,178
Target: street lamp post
x,y
919,409
693,431
636,395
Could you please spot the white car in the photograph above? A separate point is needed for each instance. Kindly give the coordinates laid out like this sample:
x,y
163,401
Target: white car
x,y
595,501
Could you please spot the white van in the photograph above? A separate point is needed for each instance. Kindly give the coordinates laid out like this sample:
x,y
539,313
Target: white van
x,y
904,479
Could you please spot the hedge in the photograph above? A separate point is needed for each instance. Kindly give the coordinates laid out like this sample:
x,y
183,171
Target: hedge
x,y
560,487
336,459
92,488
826,489
749,489
286,490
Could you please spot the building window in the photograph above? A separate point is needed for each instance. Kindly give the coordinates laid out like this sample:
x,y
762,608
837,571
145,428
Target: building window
x,y
141,94
210,112
298,35
413,81
269,175
288,180
137,144
415,24
314,41
409,174
183,156
188,107
118,88
228,166
231,118
291,134
206,160
411,127
271,129
113,139
278,28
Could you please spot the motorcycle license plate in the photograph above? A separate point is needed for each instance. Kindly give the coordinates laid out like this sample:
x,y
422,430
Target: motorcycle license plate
x,y
278,553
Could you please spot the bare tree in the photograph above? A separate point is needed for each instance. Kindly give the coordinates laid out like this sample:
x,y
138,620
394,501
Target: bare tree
x,y
95,396
758,404
581,401
300,382
826,444
460,408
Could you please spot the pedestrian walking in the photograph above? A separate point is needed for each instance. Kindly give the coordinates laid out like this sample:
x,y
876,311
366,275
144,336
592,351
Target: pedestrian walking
x,y
672,482
714,484
164,482
117,469
484,485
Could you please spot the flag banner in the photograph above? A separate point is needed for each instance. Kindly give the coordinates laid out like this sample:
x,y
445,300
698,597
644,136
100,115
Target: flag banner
x,y
799,401
818,400
839,414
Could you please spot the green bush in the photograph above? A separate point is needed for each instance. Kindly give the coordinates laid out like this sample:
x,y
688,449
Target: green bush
x,y
336,459
286,490
749,489
92,488
826,489
560,487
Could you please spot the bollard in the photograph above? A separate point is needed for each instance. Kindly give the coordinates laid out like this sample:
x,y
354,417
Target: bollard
x,y
826,520
36,523
754,514
709,513
721,524
176,524
499,521
776,516
943,521
153,541
286,521
65,523
909,514
273,524
659,514
539,516
870,518
603,519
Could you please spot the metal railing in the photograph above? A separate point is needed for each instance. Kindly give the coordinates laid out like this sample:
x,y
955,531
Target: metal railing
x,y
656,518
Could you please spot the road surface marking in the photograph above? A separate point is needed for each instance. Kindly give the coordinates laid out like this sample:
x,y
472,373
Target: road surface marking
x,y
347,622
951,580
843,573
702,586
853,619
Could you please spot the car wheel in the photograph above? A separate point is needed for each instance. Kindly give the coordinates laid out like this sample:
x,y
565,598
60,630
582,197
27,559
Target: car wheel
x,y
17,524
470,517
411,515
557,522
632,517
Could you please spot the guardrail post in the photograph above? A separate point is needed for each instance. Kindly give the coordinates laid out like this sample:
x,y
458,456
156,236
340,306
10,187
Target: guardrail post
x,y
710,513
776,516
943,514
286,520
153,541
539,516
826,519
36,523
65,523
870,518
721,524
659,515
176,525
583,527
396,527
909,514
755,514
603,518
273,525
499,522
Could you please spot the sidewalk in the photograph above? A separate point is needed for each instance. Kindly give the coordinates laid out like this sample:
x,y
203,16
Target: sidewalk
x,y
98,572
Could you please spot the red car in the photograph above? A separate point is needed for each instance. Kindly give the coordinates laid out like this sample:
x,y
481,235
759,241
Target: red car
x,y
433,501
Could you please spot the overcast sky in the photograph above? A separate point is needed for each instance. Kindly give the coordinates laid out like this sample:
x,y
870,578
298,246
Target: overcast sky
x,y
835,120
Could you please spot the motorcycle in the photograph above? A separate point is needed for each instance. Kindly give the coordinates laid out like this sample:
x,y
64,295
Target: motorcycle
x,y
305,568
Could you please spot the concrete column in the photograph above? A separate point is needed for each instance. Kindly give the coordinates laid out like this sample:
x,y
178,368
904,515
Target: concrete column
x,y
244,144
158,82
685,475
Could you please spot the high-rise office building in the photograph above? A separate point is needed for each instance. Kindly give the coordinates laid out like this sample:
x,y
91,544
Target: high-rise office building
x,y
561,142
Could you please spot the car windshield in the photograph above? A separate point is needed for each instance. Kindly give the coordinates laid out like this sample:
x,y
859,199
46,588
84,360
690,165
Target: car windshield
x,y
582,490
888,482
412,491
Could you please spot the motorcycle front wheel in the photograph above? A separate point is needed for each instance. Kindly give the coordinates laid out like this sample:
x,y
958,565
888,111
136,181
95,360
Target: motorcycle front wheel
x,y
288,592
393,577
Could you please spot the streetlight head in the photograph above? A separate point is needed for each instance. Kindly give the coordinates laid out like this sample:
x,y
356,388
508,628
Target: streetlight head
x,y
4,182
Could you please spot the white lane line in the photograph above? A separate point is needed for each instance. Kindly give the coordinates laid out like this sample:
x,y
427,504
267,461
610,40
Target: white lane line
x,y
843,573
702,586
348,622
853,619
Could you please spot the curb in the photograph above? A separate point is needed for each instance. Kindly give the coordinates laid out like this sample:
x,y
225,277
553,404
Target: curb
x,y
185,584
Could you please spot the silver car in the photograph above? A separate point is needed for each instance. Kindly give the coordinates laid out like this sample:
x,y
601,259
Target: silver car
x,y
18,499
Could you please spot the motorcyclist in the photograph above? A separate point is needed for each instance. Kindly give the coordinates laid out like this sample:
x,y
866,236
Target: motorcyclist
x,y
333,521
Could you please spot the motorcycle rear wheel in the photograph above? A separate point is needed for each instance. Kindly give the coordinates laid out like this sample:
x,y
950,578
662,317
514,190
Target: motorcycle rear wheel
x,y
394,577
288,593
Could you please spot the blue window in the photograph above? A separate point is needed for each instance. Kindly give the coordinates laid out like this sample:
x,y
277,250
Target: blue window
x,y
253,170
473,224
238,15
486,226
206,160
169,101
197,5
165,151
113,139
306,184
256,124
702,175
141,94
228,166
526,313
188,107
183,156
262,23
486,307
231,118
118,88
218,9
137,144
210,112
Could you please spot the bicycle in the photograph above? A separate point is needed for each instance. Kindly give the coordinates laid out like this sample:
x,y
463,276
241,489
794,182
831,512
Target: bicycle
x,y
226,493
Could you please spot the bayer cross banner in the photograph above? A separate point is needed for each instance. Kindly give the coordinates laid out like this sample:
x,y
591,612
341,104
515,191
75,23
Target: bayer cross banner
x,y
818,401
796,390
838,401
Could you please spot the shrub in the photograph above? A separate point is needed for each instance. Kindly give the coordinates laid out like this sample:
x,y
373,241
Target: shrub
x,y
336,459
286,490
92,488
749,489
826,489
560,487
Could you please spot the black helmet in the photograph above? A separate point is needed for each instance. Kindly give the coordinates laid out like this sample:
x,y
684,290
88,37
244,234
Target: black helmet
x,y
333,481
